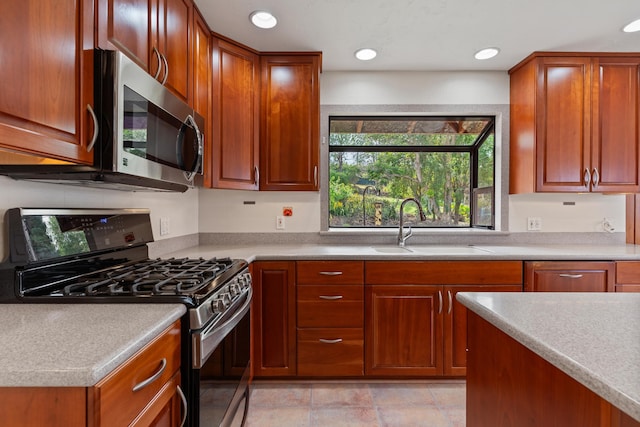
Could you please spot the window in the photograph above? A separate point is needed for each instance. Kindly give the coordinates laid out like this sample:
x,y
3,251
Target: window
x,y
446,163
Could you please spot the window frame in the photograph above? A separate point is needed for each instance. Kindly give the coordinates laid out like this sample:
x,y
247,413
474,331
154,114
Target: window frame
x,y
501,163
472,150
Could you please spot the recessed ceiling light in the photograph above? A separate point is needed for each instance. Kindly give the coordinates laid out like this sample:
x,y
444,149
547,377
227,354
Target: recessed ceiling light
x,y
632,27
365,54
487,53
263,19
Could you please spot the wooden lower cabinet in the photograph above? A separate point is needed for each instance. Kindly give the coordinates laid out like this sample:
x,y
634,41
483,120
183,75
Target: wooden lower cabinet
x,y
273,319
414,326
404,330
111,402
627,276
332,352
330,318
455,325
569,276
513,386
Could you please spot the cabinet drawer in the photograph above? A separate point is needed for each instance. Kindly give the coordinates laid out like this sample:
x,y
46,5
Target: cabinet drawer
x,y
119,403
328,272
628,272
330,306
569,276
331,352
443,272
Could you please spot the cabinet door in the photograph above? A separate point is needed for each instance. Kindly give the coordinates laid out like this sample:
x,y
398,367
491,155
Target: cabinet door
x,y
552,276
563,112
616,117
202,85
125,25
172,38
47,78
236,115
455,325
290,124
274,328
403,330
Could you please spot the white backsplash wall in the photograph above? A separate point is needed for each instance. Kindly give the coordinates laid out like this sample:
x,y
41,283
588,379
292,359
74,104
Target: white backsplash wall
x,y
180,208
235,211
567,212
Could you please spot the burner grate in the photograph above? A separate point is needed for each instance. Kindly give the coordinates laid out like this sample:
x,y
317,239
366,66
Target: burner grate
x,y
174,276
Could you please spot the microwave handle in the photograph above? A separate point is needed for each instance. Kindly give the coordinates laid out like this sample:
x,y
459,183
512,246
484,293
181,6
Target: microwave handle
x,y
190,121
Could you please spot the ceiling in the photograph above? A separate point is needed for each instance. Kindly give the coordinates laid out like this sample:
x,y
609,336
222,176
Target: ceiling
x,y
428,34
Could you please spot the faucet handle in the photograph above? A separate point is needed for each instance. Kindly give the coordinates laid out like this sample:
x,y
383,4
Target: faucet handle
x,y
408,233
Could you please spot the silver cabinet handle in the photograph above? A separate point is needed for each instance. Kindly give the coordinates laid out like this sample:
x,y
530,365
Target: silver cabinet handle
x,y
256,175
184,405
152,378
315,176
587,178
166,69
336,341
96,128
159,62
330,273
439,302
595,178
450,297
331,297
571,276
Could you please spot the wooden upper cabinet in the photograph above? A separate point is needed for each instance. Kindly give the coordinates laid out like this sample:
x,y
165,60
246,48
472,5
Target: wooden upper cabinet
x,y
171,36
201,66
153,33
616,121
290,124
125,25
235,116
574,123
47,75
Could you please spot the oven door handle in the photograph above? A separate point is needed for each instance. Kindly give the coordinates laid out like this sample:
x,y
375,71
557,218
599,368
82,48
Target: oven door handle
x,y
206,341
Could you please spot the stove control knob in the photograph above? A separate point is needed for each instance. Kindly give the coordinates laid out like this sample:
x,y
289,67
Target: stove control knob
x,y
235,289
217,305
226,299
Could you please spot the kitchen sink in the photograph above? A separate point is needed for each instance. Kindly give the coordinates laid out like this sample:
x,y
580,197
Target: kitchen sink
x,y
392,250
432,250
448,249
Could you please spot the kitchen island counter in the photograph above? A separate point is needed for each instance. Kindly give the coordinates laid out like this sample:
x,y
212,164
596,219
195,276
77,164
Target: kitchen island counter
x,y
75,345
594,338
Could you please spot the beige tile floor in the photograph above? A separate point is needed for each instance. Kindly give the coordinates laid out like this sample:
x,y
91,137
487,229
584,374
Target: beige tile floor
x,y
357,404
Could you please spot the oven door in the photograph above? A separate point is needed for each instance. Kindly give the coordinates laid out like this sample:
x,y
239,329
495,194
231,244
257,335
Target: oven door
x,y
220,377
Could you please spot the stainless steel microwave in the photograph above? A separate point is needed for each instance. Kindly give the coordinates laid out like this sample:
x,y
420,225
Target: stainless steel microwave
x,y
147,138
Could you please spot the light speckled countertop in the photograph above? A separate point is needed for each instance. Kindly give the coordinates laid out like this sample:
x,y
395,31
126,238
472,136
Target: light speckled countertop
x,y
412,252
592,337
74,345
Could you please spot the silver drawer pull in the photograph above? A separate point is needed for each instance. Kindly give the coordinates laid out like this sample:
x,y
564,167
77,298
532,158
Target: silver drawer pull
x,y
152,378
571,276
331,273
336,341
331,297
185,405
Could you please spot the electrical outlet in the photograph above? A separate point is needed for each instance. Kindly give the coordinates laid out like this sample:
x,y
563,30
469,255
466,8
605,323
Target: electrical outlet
x,y
164,226
534,223
280,222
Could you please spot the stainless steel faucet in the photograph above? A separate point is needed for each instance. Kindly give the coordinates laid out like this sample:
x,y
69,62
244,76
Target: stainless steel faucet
x,y
402,237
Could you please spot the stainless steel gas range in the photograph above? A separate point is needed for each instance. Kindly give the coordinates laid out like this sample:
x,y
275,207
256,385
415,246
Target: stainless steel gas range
x,y
101,256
